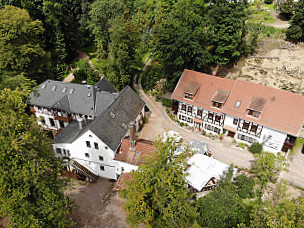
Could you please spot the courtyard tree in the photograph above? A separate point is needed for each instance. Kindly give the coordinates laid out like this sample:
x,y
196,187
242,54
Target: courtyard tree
x,y
31,192
267,166
157,192
223,206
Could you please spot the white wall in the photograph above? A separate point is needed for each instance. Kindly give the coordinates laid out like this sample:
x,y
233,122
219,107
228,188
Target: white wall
x,y
229,121
79,147
123,167
275,140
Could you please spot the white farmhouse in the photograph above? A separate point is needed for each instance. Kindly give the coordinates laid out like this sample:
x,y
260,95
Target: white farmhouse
x,y
90,123
245,111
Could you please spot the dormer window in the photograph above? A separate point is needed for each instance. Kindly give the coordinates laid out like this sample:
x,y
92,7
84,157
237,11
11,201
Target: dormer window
x,y
253,113
189,96
217,104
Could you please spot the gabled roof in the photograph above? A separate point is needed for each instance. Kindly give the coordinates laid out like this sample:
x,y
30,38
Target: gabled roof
x,y
111,125
74,98
136,157
208,86
105,85
63,104
280,110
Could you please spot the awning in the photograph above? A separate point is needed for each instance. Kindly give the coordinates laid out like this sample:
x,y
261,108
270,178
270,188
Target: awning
x,y
198,120
229,128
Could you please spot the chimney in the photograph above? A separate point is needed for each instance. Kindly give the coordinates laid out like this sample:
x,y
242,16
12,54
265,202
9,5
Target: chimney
x,y
80,121
132,136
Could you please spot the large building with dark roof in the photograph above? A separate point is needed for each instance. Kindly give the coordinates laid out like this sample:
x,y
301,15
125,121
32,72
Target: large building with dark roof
x,y
245,111
89,122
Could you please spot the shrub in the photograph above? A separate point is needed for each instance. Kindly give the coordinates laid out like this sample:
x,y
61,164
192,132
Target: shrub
x,y
245,187
85,72
256,148
268,1
294,33
166,102
242,145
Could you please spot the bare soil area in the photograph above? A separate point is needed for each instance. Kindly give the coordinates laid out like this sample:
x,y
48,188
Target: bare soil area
x,y
98,205
277,63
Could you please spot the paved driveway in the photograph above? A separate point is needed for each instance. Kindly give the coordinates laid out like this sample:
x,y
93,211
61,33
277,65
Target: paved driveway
x,y
159,122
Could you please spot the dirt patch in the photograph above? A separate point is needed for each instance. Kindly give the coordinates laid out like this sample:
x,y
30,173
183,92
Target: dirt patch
x,y
98,206
277,63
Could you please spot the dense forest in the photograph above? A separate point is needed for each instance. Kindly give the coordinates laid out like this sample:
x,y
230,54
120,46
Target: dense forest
x,y
40,38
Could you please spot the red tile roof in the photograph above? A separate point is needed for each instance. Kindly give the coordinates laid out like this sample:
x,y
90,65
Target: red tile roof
x,y
280,110
209,85
283,111
145,147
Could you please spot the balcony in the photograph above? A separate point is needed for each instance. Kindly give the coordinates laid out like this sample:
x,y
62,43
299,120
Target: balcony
x,y
62,118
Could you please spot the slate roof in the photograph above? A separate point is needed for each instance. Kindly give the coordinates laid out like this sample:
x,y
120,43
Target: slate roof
x,y
105,85
74,98
280,110
111,124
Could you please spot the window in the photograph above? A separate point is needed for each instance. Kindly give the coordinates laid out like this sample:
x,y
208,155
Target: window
x,y
217,118
253,128
190,109
88,144
189,96
61,123
64,151
58,150
102,168
183,107
253,113
68,152
100,158
217,104
245,125
235,121
210,116
138,153
87,155
52,122
96,146
199,112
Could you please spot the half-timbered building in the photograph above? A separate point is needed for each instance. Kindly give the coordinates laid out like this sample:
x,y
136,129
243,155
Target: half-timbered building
x,y
245,111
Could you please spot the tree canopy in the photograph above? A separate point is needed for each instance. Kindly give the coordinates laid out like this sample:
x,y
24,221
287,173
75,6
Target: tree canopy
x,y
156,194
21,48
296,30
31,192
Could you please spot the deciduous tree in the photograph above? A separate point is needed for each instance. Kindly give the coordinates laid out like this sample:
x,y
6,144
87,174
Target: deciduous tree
x,y
21,45
157,193
31,192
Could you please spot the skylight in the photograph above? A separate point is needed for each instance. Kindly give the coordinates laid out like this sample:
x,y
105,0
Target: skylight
x,y
64,89
238,104
71,91
43,86
54,88
112,115
89,94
